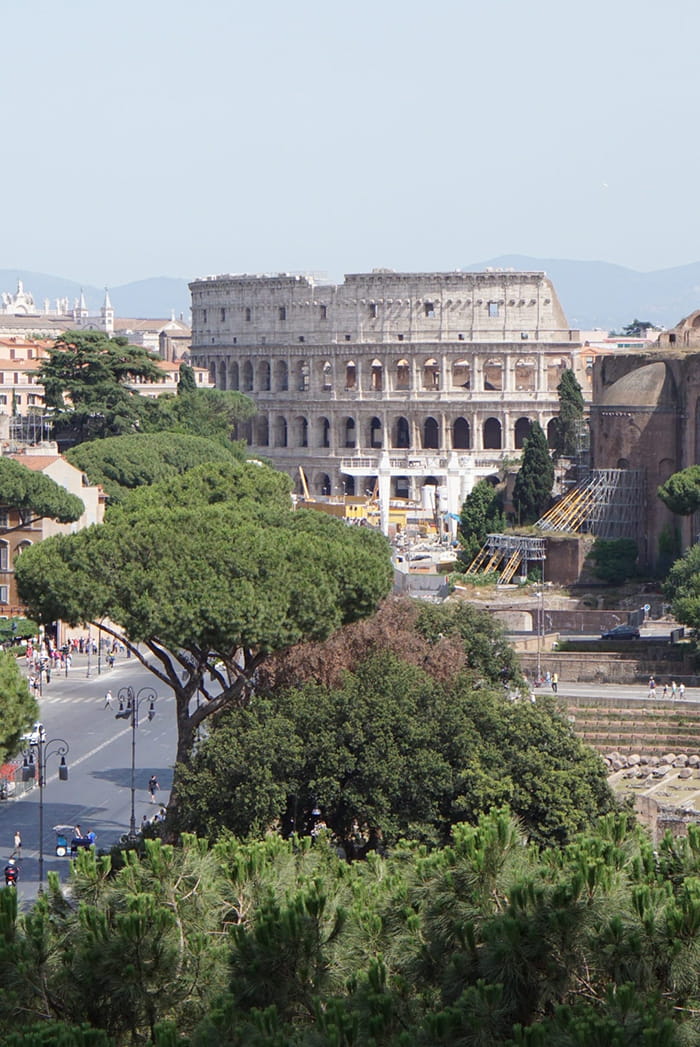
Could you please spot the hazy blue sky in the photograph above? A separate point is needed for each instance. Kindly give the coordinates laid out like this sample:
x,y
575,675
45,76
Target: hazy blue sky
x,y
182,138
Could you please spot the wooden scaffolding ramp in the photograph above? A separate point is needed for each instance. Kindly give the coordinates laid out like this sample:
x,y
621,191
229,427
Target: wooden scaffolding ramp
x,y
506,553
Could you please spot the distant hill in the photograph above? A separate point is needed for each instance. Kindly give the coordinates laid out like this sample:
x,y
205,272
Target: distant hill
x,y
156,297
598,294
593,294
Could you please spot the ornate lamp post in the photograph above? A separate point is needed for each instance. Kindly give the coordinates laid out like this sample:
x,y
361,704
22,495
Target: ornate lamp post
x,y
31,767
129,704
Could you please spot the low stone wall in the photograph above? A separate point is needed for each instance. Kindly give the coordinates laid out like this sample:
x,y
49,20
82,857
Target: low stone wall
x,y
613,667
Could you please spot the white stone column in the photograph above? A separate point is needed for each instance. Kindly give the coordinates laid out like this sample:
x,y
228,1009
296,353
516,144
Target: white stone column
x,y
384,475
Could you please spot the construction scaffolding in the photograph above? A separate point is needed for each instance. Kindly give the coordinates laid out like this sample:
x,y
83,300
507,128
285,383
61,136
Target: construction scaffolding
x,y
506,553
610,503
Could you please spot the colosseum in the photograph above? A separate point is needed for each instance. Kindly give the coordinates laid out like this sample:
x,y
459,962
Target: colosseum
x,y
420,383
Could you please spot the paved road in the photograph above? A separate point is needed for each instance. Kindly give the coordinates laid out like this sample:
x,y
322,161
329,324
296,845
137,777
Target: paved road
x,y
97,795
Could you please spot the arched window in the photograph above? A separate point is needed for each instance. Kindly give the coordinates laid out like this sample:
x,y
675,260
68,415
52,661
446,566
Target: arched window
x,y
461,435
402,433
301,376
431,374
233,378
212,373
324,484
262,431
376,376
264,376
375,434
221,380
349,482
521,432
4,556
350,435
493,376
20,549
247,377
461,375
281,432
281,376
492,435
403,375
431,434
324,432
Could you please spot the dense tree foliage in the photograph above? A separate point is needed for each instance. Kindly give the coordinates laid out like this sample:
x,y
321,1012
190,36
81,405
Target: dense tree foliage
x,y
615,559
481,514
568,426
18,708
396,754
37,494
489,940
681,492
209,573
682,587
84,379
533,484
212,413
187,382
122,463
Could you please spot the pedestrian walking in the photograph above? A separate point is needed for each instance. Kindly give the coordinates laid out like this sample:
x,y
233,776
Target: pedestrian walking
x,y
555,682
153,787
681,690
652,687
108,700
674,689
17,853
665,691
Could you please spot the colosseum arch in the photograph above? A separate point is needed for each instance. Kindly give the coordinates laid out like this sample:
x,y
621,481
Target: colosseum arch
x,y
221,375
262,431
264,383
301,376
461,374
493,376
300,435
212,371
461,435
521,431
350,375
281,376
552,432
525,376
349,433
323,484
325,376
324,432
431,434
431,374
375,434
493,435
247,376
376,376
402,376
402,433
280,431
234,381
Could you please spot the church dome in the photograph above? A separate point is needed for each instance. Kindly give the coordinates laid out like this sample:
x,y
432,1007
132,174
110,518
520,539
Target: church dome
x,y
649,386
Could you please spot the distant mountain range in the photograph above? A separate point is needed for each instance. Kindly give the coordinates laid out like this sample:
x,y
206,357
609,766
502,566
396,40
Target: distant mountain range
x,y
598,294
593,294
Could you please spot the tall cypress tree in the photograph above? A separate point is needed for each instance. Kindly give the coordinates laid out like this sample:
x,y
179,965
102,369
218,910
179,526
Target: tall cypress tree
x,y
534,482
569,423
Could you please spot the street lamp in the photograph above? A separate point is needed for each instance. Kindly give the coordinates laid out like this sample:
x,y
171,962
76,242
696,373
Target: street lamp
x,y
129,704
30,769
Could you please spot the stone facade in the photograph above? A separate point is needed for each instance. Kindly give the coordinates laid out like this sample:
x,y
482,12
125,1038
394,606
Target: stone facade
x,y
423,382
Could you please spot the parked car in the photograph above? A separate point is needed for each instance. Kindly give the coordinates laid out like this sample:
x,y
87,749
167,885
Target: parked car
x,y
621,632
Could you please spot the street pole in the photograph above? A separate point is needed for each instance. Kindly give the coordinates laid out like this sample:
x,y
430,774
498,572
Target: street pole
x,y
131,711
43,754
89,651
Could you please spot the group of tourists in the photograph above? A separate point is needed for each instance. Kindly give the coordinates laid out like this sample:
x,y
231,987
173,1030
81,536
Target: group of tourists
x,y
672,689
